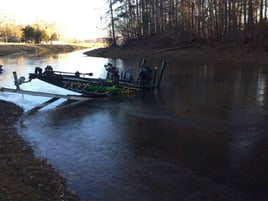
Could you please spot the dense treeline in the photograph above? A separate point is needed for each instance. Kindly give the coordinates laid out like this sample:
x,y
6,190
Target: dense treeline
x,y
40,32
185,21
36,35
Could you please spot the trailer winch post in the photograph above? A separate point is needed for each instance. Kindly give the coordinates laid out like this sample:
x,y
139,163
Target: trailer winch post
x,y
16,80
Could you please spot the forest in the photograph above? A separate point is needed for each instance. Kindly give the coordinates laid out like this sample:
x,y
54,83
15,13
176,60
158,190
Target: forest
x,y
190,21
172,22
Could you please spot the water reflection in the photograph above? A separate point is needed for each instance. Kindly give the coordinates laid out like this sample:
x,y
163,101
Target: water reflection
x,y
205,126
261,88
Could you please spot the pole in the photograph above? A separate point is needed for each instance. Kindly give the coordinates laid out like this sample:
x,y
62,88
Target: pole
x,y
16,81
161,74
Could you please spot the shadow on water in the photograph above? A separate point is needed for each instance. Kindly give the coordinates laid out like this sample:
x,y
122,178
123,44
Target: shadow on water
x,y
203,136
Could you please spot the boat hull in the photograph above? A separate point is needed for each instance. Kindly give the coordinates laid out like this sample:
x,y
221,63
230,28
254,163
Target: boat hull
x,y
91,87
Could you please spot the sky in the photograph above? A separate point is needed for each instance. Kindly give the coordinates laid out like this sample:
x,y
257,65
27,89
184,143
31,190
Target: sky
x,y
79,19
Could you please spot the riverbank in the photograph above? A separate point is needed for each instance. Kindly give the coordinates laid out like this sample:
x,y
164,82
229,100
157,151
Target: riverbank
x,y
203,53
22,176
38,50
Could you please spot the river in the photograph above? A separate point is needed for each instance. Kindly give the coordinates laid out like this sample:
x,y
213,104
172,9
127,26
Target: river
x,y
202,136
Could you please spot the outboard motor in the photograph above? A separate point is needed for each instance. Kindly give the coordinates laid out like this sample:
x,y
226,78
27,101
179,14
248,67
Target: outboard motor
x,y
145,76
112,72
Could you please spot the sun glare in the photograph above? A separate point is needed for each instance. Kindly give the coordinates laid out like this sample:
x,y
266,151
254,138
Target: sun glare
x,y
74,19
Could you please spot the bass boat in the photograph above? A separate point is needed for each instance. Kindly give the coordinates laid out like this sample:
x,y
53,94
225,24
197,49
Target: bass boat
x,y
115,83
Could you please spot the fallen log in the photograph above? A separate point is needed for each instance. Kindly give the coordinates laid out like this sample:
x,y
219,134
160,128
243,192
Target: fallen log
x,y
173,48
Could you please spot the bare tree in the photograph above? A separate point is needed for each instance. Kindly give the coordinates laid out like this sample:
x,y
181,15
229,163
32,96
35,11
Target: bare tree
x,y
194,20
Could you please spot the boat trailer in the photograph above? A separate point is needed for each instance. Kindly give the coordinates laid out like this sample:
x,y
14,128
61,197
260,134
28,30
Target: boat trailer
x,y
53,96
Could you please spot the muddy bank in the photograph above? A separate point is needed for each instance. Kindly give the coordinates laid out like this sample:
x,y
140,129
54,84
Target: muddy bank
x,y
245,53
22,176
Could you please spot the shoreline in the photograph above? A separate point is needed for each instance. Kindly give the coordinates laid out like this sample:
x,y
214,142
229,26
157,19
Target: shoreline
x,y
37,50
230,53
24,177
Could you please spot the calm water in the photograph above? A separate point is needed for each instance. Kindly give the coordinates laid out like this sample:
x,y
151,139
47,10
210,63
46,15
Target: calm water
x,y
202,136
